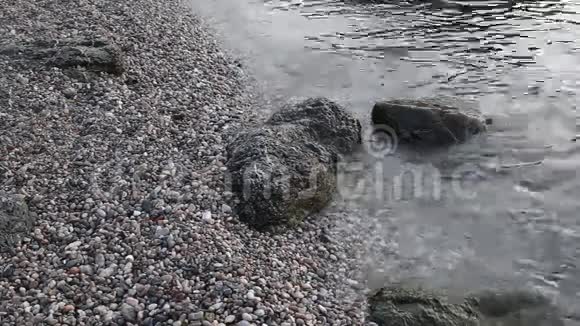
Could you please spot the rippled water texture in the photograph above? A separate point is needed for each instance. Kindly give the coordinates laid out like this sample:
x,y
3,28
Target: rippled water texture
x,y
508,209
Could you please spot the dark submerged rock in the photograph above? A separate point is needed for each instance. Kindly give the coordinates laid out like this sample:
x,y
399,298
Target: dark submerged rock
x,y
398,306
415,307
516,308
285,169
429,122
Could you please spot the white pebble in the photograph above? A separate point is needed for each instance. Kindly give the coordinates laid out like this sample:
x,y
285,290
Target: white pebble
x,y
206,217
230,319
246,316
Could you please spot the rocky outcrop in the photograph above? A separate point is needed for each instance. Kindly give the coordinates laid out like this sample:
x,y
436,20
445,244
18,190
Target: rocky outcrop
x,y
398,306
429,122
15,220
285,169
94,55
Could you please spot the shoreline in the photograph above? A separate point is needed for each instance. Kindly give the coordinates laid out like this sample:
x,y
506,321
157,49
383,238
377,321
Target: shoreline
x,y
126,176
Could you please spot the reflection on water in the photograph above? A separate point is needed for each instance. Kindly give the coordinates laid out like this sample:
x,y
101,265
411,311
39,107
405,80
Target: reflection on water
x,y
519,61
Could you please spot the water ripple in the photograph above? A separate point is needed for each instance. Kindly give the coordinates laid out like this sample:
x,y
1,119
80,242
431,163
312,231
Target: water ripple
x,y
455,35
517,59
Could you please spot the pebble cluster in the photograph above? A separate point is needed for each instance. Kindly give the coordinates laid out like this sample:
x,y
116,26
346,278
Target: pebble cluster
x,y
126,177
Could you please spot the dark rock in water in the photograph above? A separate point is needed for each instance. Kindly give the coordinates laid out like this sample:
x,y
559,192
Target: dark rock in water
x,y
93,55
414,307
429,122
396,306
15,220
516,308
286,169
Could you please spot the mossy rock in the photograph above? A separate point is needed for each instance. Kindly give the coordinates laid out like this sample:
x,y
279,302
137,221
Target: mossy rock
x,y
285,169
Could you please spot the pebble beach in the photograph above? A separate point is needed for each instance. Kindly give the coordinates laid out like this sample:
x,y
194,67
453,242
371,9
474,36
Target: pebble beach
x,y
125,177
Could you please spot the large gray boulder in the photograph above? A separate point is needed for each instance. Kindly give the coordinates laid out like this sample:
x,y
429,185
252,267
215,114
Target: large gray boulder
x,y
15,221
285,169
429,122
400,306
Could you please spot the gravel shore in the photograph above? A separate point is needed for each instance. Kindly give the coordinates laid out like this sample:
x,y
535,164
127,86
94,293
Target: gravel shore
x,y
125,174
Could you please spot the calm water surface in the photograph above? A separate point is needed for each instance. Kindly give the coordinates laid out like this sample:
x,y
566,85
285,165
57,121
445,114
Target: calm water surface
x,y
509,208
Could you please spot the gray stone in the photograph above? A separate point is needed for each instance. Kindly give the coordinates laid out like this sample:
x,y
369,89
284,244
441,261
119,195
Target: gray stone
x,y
429,122
94,55
196,315
170,241
101,213
15,220
285,170
69,92
86,269
161,232
247,316
109,271
230,319
226,209
100,260
132,302
147,205
129,312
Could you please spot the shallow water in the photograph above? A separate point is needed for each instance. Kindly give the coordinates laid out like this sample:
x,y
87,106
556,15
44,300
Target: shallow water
x,y
508,212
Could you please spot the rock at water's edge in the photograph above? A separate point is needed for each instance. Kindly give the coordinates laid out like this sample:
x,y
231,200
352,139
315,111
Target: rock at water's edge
x,y
415,307
285,169
516,308
429,122
400,306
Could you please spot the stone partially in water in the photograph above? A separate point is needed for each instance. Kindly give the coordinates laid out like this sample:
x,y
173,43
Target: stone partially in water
x,y
285,169
429,122
398,306
15,220
516,308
